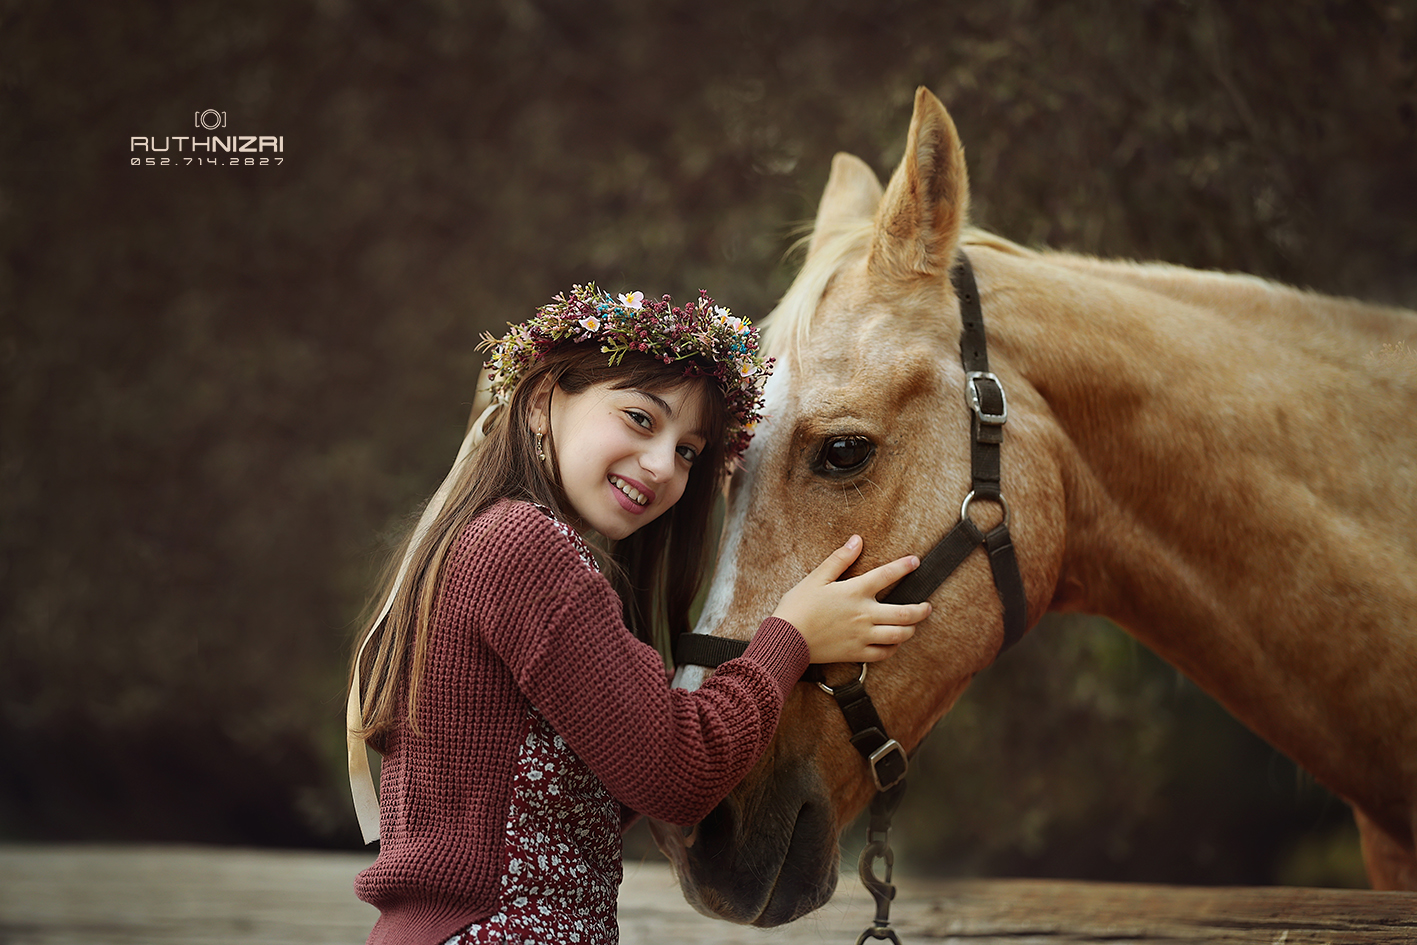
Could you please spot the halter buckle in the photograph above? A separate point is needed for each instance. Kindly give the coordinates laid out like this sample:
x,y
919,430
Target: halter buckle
x,y
887,756
972,380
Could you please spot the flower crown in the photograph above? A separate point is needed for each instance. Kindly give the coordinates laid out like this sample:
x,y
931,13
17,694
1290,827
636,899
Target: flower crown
x,y
706,337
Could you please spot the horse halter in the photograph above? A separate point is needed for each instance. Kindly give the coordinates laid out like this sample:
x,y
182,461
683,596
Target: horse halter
x,y
885,757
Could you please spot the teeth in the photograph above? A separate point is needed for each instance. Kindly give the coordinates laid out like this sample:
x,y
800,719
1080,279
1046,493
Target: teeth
x,y
635,495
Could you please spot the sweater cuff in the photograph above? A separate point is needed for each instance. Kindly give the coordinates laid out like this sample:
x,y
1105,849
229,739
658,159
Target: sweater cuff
x,y
780,649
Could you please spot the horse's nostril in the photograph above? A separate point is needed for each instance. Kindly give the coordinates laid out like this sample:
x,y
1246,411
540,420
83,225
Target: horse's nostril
x,y
715,832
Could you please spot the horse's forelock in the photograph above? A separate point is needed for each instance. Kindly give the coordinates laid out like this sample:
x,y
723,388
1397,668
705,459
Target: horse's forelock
x,y
786,327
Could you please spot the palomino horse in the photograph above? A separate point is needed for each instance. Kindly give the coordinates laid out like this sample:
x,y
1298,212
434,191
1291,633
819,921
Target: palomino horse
x,y
1225,467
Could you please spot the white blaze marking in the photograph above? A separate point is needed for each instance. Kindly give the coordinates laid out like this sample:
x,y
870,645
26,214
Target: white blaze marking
x,y
720,593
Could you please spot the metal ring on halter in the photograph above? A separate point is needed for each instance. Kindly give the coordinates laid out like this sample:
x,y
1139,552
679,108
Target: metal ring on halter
x,y
831,692
964,507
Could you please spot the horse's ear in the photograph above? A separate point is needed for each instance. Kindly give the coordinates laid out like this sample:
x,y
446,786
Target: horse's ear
x,y
852,195
927,200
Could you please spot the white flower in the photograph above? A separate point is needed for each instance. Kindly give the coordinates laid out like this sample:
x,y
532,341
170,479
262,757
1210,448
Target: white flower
x,y
734,324
634,300
590,323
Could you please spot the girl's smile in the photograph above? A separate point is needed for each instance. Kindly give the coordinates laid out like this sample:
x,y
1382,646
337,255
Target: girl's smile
x,y
638,493
624,455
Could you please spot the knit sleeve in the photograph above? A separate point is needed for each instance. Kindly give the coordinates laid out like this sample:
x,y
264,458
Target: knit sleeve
x,y
669,753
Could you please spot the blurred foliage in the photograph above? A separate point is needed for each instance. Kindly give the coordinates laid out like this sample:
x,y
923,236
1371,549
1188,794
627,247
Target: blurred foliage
x,y
226,388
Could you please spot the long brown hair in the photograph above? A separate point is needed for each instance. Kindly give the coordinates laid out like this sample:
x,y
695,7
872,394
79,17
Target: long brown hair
x,y
656,571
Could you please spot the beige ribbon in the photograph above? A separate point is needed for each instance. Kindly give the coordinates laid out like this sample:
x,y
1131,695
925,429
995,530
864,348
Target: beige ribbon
x,y
361,779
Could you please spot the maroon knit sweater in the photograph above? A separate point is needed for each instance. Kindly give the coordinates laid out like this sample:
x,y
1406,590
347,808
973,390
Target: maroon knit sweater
x,y
519,617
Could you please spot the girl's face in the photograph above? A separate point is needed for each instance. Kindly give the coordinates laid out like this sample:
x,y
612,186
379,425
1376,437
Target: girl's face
x,y
624,455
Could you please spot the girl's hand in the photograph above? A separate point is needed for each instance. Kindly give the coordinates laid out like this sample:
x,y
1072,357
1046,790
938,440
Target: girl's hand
x,y
842,621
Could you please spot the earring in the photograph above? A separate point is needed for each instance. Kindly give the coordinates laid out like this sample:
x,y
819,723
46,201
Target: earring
x,y
540,452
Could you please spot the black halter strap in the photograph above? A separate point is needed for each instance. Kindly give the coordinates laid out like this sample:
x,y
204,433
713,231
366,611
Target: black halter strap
x,y
989,412
885,757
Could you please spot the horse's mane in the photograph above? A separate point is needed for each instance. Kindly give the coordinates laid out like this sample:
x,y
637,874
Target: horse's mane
x,y
786,327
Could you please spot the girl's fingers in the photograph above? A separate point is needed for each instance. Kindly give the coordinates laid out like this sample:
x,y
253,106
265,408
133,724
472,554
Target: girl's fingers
x,y
900,615
876,653
891,636
838,561
883,644
883,576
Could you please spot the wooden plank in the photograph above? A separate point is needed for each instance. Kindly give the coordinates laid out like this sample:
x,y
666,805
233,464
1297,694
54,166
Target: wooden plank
x,y
1026,911
83,895
64,895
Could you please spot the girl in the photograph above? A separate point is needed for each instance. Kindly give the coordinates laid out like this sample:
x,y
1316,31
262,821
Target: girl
x,y
510,682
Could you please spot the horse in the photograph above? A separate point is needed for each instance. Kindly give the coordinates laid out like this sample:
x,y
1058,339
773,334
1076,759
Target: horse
x,y
1223,466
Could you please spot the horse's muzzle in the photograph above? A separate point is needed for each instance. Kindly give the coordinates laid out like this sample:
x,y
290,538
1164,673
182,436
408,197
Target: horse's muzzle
x,y
765,869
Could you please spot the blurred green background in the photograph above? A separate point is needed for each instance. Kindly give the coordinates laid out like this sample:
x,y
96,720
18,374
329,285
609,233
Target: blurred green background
x,y
225,389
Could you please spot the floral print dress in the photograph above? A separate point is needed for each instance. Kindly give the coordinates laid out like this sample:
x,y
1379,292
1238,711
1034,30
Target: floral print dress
x,y
561,876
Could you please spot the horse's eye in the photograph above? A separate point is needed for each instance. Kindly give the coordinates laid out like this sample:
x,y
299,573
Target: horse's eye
x,y
846,454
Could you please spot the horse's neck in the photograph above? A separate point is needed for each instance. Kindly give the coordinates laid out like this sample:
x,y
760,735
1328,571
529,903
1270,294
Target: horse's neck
x,y
1239,464
1278,307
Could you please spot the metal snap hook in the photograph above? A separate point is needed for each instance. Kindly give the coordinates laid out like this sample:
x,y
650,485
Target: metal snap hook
x,y
882,890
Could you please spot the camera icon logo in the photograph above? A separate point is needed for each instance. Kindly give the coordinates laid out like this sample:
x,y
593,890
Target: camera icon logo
x,y
211,119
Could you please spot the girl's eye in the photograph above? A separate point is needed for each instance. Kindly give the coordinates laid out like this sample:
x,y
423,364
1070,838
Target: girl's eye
x,y
689,454
639,419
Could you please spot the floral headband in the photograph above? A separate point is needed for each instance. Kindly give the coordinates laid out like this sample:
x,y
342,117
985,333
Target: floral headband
x,y
706,337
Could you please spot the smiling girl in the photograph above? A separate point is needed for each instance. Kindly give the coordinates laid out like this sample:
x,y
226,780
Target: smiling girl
x,y
512,679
